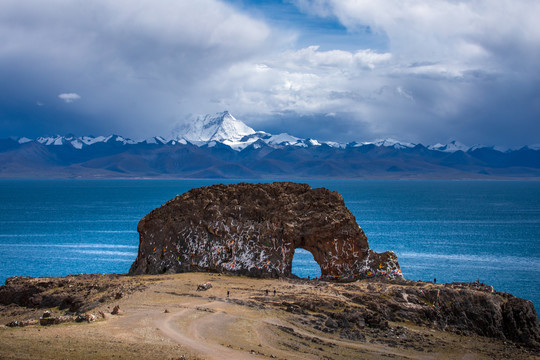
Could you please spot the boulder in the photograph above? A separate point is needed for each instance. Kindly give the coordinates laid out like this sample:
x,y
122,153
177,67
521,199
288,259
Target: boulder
x,y
22,323
55,320
116,311
85,318
254,229
205,286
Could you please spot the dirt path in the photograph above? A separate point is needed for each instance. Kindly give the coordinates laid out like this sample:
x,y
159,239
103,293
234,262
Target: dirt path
x,y
194,340
206,333
220,328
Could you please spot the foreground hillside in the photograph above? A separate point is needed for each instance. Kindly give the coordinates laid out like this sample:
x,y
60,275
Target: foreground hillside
x,y
242,318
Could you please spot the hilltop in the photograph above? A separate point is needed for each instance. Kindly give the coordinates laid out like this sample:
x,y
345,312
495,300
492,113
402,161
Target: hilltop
x,y
166,317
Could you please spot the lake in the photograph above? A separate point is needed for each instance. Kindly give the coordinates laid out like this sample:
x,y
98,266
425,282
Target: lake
x,y
448,230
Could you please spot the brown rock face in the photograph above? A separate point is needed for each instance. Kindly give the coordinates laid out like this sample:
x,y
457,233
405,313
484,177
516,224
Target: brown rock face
x,y
253,229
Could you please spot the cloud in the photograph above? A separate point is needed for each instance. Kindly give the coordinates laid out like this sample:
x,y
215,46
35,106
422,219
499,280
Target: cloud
x,y
360,87
444,75
139,64
449,70
69,97
426,29
459,60
420,70
303,81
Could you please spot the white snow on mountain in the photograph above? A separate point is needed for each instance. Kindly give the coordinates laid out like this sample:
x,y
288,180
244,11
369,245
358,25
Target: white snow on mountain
x,y
221,127
282,139
313,142
76,144
90,140
393,143
335,144
155,140
23,140
46,140
307,143
453,146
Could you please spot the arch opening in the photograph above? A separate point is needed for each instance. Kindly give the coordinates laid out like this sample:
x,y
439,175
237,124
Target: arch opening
x,y
304,264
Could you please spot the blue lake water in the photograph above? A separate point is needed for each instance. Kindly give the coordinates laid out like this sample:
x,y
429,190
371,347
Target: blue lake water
x,y
449,230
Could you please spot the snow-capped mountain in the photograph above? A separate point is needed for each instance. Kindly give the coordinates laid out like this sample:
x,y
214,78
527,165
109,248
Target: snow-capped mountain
x,y
224,128
221,146
78,142
393,143
221,127
453,146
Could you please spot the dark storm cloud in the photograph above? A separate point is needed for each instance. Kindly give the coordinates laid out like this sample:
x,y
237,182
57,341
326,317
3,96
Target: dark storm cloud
x,y
136,66
426,71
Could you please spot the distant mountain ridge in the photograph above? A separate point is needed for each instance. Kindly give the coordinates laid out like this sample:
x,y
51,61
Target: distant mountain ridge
x,y
226,129
220,146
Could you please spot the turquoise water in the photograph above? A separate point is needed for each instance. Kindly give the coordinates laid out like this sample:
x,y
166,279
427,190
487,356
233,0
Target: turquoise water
x,y
451,230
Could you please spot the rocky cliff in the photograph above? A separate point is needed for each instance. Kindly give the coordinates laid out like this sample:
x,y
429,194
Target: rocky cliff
x,y
254,229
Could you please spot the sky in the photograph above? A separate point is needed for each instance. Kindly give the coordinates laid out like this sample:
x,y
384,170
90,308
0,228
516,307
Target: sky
x,y
424,71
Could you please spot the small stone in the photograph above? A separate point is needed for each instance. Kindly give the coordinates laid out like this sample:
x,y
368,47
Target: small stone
x,y
331,323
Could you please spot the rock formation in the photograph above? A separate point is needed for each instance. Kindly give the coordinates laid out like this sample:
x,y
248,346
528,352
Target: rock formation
x,y
462,308
254,229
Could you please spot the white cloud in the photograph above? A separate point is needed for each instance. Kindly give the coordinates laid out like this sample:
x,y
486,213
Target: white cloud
x,y
69,97
459,33
313,57
304,81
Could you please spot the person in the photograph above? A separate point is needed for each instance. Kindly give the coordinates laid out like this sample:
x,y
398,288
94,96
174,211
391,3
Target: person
x,y
434,280
227,293
266,292
274,292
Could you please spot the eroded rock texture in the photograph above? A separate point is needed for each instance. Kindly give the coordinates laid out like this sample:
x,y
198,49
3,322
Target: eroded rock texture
x,y
253,229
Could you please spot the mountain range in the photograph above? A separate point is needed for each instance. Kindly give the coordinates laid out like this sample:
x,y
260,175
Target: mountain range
x,y
220,146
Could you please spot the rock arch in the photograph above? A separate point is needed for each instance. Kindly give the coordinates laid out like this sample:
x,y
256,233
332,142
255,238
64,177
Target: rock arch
x,y
253,229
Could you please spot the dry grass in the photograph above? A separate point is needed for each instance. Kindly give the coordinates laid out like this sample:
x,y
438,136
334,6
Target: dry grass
x,y
247,325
